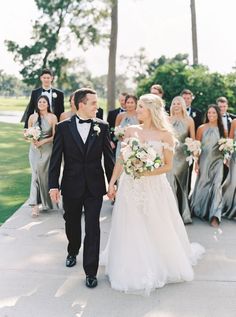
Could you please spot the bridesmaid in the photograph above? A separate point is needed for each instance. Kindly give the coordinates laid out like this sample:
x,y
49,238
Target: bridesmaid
x,y
39,155
68,114
207,193
129,117
178,177
229,186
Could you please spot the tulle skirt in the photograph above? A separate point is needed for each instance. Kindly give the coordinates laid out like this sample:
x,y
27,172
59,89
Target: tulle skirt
x,y
148,246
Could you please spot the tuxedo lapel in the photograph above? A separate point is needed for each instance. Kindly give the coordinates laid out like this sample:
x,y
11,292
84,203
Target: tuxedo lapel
x,y
38,93
76,135
228,122
53,100
92,136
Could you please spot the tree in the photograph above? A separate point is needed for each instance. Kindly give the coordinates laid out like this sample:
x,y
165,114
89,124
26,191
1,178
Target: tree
x,y
59,19
175,74
194,32
137,65
111,79
12,86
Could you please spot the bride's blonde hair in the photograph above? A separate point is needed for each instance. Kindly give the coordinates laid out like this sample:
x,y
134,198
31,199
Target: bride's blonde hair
x,y
156,106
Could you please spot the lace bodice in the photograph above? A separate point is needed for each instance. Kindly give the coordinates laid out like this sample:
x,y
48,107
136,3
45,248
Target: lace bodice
x,y
159,146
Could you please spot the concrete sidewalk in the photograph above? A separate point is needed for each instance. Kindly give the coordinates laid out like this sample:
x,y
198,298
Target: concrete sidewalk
x,y
11,116
34,281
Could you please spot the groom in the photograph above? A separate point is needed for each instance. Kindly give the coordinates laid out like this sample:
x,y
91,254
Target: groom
x,y
82,140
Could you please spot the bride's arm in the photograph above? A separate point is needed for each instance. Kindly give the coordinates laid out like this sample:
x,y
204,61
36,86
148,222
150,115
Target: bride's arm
x,y
115,175
118,169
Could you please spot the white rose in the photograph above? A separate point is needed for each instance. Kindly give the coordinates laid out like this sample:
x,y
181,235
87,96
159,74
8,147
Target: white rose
x,y
54,95
194,114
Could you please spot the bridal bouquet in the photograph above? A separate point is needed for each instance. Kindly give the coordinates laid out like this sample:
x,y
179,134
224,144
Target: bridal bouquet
x,y
138,158
119,132
32,133
192,149
227,147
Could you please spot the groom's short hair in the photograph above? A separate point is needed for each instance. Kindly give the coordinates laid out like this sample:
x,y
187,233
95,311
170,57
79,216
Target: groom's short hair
x,y
80,95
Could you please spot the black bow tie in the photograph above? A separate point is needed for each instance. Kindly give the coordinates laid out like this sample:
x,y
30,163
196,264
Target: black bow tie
x,y
45,90
84,121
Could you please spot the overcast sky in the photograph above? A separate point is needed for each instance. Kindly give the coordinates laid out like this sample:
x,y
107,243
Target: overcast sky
x,y
162,27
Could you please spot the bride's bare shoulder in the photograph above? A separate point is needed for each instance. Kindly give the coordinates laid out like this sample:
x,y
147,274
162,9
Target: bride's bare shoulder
x,y
132,130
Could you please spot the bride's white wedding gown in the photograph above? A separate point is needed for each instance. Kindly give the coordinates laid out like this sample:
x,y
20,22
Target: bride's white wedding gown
x,y
148,246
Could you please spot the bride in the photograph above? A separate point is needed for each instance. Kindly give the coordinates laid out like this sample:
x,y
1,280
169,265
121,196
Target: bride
x,y
148,246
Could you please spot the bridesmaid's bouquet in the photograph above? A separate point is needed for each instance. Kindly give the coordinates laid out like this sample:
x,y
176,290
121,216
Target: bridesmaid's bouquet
x,y
32,133
119,132
227,147
192,149
138,157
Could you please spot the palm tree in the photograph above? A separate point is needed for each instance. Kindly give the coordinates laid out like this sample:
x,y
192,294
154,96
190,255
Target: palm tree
x,y
194,32
111,78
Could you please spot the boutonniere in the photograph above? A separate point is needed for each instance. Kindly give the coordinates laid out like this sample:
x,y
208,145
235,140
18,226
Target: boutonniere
x,y
54,95
194,114
229,119
96,129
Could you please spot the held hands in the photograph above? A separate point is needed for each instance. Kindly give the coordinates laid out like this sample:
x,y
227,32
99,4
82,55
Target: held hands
x,y
196,167
55,195
111,192
112,145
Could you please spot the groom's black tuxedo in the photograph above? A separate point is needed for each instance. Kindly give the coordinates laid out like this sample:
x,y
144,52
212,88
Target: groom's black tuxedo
x,y
83,183
57,103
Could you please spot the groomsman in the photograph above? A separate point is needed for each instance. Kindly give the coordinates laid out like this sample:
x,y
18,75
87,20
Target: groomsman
x,y
157,90
111,119
227,117
99,113
197,118
192,112
56,97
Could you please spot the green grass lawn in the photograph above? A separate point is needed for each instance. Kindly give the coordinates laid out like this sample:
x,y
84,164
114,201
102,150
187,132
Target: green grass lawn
x,y
20,103
13,103
15,171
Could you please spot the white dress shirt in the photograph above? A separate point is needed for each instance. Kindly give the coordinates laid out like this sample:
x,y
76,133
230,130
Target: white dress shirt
x,y
225,121
83,129
49,95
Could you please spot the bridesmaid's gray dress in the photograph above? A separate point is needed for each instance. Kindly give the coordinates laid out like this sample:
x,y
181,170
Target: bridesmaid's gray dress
x,y
126,121
178,176
39,159
229,189
207,194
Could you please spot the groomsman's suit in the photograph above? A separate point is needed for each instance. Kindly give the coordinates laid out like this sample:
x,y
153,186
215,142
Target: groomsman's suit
x,y
197,118
99,113
227,119
56,98
196,115
111,119
82,144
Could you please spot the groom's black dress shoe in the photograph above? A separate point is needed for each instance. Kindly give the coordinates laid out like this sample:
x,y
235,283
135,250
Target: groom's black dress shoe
x,y
70,260
91,281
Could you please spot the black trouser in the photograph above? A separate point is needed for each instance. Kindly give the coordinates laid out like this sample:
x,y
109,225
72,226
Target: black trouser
x,y
73,211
